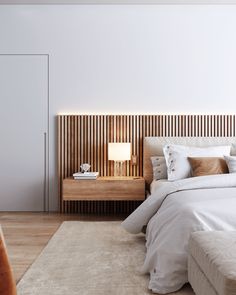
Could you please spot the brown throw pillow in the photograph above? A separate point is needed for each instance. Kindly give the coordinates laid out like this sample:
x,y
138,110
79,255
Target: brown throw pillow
x,y
208,166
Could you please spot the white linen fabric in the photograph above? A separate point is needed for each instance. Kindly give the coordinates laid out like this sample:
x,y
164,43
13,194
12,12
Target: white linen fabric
x,y
171,213
176,156
231,163
159,167
155,184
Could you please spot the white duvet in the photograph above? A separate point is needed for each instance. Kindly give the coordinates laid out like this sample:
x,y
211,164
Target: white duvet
x,y
171,213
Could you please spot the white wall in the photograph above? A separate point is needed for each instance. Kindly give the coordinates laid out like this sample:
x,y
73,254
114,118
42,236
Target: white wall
x,y
128,59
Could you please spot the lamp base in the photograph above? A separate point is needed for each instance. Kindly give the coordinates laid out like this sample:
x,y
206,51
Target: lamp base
x,y
119,168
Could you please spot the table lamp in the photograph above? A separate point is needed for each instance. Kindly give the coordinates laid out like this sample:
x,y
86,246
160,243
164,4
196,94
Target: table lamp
x,y
119,152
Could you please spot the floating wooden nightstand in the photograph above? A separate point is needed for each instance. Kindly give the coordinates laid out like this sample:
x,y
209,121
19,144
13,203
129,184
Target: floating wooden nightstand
x,y
109,188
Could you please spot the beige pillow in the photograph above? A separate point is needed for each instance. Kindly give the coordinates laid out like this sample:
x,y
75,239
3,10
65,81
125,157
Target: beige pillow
x,y
159,168
208,166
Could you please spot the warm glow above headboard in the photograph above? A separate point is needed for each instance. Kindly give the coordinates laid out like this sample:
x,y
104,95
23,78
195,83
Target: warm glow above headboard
x,y
84,138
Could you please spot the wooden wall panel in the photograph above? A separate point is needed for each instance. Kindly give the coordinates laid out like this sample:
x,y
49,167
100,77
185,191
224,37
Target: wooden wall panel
x,y
84,138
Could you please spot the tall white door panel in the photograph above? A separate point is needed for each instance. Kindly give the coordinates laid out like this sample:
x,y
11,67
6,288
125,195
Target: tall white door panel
x,y
23,132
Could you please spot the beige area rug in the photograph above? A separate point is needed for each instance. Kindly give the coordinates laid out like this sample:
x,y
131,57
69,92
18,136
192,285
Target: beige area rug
x,y
89,258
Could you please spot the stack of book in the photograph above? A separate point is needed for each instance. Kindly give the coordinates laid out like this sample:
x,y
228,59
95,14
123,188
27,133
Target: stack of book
x,y
85,175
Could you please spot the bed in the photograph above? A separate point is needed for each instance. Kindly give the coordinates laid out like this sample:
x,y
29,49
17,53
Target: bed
x,y
176,208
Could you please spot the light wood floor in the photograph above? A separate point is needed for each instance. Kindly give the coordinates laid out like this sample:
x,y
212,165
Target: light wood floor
x,y
26,234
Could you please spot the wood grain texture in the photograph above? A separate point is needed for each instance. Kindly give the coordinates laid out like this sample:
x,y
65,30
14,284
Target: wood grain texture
x,y
84,138
104,188
26,234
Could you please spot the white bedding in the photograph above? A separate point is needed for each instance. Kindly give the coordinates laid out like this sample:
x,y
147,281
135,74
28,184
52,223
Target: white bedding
x,y
155,184
172,212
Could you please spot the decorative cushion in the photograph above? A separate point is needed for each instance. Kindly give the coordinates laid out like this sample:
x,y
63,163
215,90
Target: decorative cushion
x,y
153,146
231,163
208,166
178,166
159,168
215,254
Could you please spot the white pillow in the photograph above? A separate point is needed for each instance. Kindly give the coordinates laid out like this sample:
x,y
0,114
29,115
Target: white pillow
x,y
159,167
176,156
231,163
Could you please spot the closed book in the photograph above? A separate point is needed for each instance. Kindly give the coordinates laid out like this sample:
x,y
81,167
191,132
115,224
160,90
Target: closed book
x,y
84,178
86,174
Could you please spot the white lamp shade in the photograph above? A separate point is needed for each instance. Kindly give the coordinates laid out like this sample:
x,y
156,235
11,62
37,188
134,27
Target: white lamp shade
x,y
119,151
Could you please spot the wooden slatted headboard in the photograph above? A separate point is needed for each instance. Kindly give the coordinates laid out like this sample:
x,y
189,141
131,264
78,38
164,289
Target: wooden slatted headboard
x,y
84,138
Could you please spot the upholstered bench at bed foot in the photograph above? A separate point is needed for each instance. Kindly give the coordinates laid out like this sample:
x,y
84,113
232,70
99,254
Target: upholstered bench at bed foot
x,y
212,262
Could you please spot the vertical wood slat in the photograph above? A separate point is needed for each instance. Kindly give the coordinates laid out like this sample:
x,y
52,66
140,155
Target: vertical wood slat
x,y
84,138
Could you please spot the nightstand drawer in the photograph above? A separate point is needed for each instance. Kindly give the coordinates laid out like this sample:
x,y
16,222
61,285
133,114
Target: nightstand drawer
x,y
104,188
